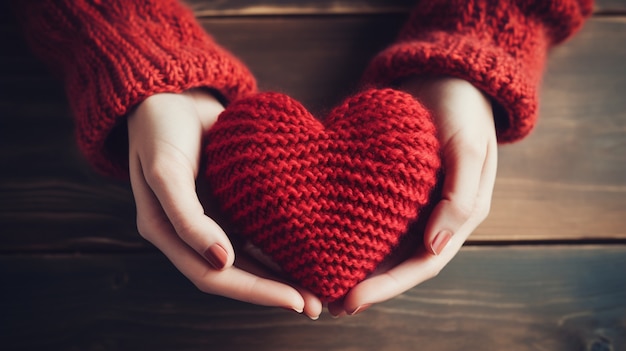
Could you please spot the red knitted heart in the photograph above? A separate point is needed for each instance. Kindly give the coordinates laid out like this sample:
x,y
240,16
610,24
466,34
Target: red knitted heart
x,y
326,201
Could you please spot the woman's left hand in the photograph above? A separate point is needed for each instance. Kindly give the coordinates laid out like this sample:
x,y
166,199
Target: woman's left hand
x,y
464,118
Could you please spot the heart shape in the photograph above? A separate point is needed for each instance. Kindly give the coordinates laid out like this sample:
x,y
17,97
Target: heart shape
x,y
327,201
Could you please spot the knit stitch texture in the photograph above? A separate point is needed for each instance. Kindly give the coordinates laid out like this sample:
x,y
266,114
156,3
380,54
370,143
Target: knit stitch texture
x,y
113,54
327,201
500,46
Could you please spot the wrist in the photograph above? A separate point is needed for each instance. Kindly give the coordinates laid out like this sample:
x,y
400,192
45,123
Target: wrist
x,y
425,85
440,92
207,106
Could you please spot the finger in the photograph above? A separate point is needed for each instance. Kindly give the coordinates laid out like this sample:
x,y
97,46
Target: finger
x,y
487,181
423,265
231,282
312,304
337,308
417,269
168,162
463,164
174,186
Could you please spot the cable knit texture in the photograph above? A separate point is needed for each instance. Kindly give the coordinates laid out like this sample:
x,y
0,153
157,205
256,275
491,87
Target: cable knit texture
x,y
113,54
498,45
326,201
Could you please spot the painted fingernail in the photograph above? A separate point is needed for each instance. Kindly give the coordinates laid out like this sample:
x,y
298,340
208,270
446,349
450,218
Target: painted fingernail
x,y
440,241
217,256
339,315
360,309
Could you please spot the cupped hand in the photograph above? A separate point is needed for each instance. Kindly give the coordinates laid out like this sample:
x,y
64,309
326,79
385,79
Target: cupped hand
x,y
464,118
165,142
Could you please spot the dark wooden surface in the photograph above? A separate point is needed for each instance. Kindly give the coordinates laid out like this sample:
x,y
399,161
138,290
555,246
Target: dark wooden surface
x,y
544,272
238,8
509,298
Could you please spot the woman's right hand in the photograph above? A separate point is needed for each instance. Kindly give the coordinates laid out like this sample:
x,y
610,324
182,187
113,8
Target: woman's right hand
x,y
165,142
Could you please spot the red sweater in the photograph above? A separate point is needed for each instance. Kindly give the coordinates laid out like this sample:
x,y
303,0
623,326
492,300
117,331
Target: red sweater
x,y
499,46
113,54
327,202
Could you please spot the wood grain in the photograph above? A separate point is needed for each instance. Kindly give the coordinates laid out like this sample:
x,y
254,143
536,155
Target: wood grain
x,y
566,181
488,298
77,276
204,8
568,178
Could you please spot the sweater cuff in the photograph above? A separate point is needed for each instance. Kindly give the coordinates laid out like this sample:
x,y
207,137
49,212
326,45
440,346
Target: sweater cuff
x,y
511,83
500,46
113,55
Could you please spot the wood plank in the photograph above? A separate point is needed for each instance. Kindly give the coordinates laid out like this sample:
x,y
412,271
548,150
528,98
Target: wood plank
x,y
50,199
570,173
203,8
316,60
568,178
610,6
565,182
489,298
293,7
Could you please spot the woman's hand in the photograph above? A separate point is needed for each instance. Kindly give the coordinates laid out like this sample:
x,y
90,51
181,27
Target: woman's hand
x,y
165,141
466,128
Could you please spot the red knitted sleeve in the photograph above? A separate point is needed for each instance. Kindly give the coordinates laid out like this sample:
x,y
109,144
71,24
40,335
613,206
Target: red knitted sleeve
x,y
113,54
500,46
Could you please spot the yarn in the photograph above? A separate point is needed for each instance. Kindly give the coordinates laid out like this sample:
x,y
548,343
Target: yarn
x,y
327,201
499,46
114,54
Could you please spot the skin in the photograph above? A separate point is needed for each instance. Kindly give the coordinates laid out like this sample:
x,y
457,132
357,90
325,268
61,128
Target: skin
x,y
464,117
165,138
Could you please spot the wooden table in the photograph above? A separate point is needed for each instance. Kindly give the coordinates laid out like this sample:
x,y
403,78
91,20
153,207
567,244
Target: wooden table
x,y
546,271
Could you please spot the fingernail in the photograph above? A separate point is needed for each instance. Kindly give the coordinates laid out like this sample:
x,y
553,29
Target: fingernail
x,y
217,256
360,309
314,318
293,309
336,316
440,241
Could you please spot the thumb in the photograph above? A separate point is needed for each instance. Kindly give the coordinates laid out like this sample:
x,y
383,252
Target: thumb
x,y
175,190
464,169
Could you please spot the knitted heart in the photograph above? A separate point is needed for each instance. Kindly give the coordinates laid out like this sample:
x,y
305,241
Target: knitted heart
x,y
326,201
